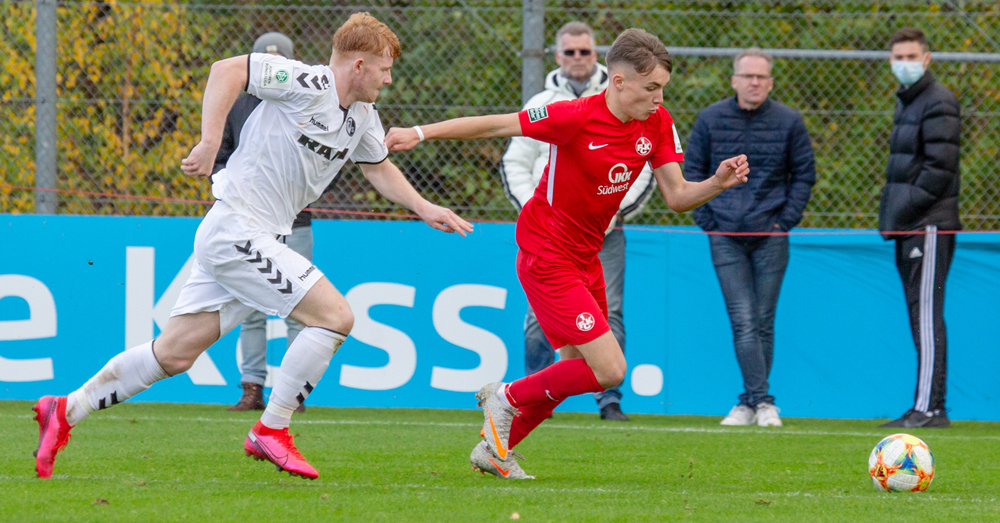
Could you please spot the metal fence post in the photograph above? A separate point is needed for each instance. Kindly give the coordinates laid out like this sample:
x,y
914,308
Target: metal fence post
x,y
45,106
533,48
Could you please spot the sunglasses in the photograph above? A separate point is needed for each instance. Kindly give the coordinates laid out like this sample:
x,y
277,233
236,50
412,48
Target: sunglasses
x,y
573,52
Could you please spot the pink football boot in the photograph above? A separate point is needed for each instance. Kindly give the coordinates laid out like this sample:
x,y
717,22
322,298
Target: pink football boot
x,y
276,446
53,432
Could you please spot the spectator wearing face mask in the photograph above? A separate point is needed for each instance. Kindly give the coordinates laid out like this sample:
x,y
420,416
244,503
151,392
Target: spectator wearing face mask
x,y
921,195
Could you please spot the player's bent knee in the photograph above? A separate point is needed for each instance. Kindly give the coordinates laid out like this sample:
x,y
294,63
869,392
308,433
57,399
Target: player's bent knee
x,y
337,317
346,320
612,376
175,357
612,380
184,339
174,364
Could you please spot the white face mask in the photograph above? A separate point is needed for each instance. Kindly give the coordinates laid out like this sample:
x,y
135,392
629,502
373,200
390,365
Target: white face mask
x,y
907,72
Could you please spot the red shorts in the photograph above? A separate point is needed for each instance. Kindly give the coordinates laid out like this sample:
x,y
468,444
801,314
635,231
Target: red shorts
x,y
568,300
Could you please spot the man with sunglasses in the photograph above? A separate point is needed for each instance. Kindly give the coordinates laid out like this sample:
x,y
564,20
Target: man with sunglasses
x,y
579,75
750,268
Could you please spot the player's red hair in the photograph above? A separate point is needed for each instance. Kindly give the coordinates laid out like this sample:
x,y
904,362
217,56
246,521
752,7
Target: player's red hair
x,y
362,32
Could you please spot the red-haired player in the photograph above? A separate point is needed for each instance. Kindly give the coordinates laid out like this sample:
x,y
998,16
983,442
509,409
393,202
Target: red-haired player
x,y
312,120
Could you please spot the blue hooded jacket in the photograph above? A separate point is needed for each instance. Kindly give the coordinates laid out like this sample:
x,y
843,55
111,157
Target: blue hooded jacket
x,y
782,168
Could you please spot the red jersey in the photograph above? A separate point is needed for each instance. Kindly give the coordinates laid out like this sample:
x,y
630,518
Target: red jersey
x,y
593,161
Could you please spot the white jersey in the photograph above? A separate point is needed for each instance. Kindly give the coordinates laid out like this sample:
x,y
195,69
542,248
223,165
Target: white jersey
x,y
294,143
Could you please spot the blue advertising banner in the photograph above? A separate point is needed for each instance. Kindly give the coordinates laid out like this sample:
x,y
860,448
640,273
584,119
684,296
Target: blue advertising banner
x,y
438,315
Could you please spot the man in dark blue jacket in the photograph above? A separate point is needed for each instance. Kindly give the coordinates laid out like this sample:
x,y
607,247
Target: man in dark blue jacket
x,y
782,173
921,195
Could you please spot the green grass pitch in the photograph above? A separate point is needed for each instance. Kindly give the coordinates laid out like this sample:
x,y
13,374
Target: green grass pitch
x,y
167,462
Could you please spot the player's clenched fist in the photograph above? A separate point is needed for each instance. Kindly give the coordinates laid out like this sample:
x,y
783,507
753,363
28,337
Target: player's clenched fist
x,y
733,171
201,160
402,139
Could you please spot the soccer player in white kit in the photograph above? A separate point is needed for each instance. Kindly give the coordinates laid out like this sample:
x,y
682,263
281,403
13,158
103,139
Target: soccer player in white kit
x,y
313,119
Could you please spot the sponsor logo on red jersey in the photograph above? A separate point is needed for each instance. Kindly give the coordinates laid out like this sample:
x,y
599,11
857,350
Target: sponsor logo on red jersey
x,y
619,176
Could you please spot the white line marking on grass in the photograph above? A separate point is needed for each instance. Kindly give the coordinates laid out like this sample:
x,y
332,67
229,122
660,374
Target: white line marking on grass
x,y
618,428
279,482
923,497
523,487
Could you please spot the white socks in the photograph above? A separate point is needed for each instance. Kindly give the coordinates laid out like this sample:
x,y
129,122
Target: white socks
x,y
126,375
301,368
136,369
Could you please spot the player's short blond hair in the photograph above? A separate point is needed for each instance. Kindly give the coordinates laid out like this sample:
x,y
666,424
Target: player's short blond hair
x,y
363,33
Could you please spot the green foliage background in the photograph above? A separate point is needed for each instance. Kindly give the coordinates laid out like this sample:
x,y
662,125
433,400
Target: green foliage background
x,y
131,76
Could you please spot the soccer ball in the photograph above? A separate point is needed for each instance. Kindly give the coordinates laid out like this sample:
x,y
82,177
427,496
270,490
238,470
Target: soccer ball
x,y
901,463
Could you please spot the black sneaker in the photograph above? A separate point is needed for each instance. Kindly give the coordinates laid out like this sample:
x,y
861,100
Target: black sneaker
x,y
613,412
914,419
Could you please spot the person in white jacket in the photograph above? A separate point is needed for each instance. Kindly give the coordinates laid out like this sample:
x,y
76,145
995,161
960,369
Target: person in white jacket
x,y
521,168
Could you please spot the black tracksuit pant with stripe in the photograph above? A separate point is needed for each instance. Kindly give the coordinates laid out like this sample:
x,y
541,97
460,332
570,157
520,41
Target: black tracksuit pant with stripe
x,y
923,261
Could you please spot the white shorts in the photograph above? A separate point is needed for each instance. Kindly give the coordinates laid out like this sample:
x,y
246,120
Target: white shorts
x,y
239,268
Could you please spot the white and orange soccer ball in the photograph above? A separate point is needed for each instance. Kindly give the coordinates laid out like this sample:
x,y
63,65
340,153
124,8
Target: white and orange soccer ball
x,y
901,463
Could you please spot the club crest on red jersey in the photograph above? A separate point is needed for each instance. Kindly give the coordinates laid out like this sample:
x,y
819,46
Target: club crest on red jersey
x,y
643,146
585,321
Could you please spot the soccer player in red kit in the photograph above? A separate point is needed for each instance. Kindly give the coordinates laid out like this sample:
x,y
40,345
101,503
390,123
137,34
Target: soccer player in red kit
x,y
599,145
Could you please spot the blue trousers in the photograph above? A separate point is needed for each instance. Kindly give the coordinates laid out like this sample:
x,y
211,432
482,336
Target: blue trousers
x,y
253,330
538,352
750,270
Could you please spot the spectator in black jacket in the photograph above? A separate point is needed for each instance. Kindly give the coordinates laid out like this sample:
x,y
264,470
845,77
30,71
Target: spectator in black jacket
x,y
921,195
750,268
253,330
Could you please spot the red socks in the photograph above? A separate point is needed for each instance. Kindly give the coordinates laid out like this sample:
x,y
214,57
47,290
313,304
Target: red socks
x,y
537,395
554,383
531,417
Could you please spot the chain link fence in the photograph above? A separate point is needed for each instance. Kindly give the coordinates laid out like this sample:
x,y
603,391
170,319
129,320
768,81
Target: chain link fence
x,y
130,77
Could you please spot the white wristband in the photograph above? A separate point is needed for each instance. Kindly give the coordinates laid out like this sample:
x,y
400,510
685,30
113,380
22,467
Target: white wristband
x,y
420,133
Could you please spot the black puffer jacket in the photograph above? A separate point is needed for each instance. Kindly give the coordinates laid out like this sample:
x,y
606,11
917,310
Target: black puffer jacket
x,y
922,177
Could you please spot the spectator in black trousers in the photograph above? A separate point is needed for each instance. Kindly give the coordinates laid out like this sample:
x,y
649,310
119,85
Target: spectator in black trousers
x,y
921,195
751,268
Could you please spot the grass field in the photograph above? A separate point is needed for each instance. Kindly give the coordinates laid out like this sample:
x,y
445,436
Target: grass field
x,y
160,462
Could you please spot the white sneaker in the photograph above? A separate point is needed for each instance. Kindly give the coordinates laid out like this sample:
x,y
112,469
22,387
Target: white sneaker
x,y
767,415
483,461
497,418
739,415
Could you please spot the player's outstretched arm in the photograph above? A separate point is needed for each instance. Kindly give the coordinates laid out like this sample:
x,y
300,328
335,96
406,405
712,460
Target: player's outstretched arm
x,y
467,128
682,195
225,81
390,182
